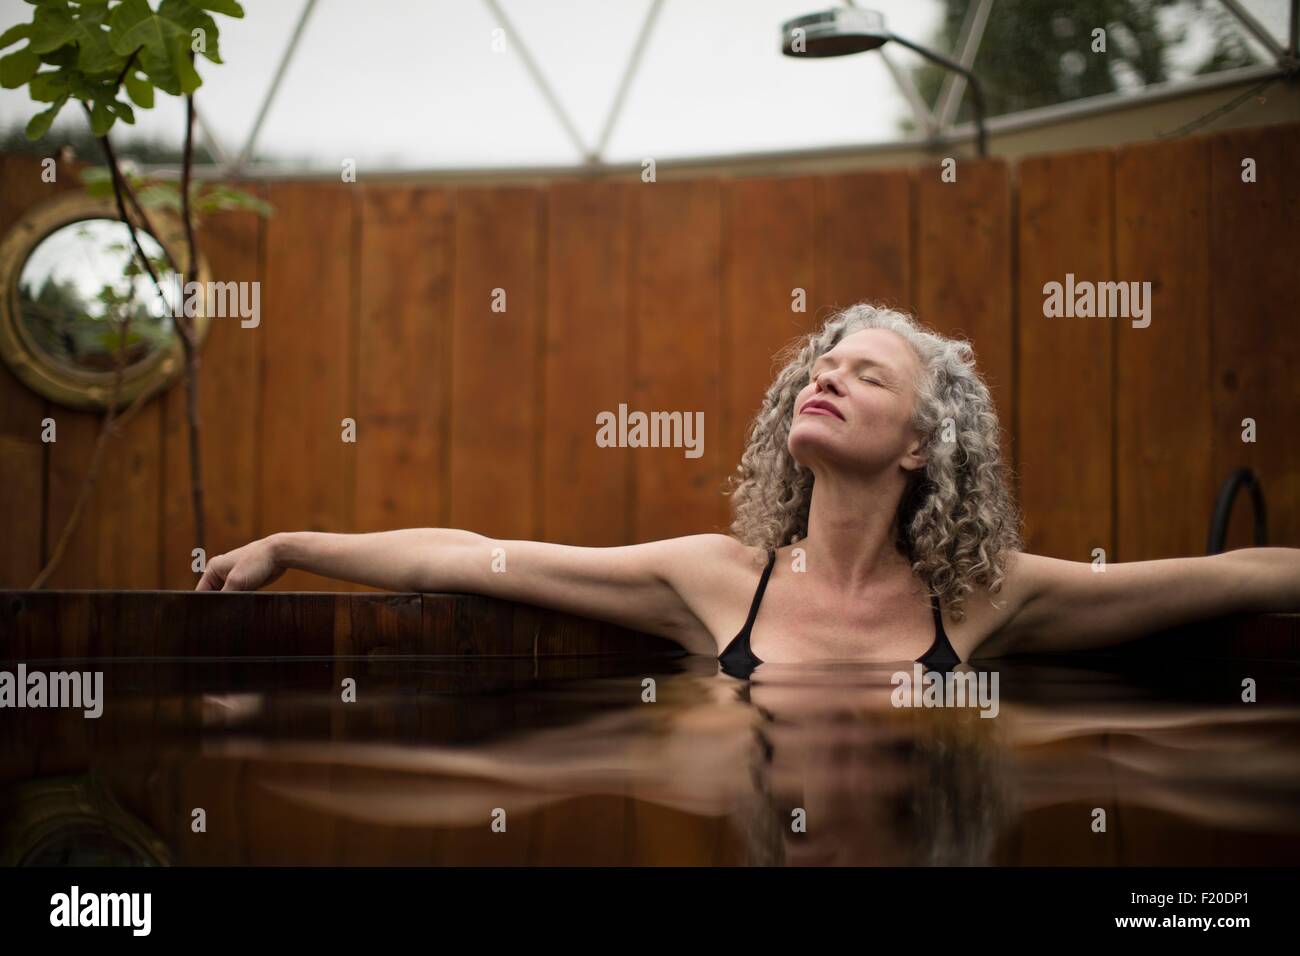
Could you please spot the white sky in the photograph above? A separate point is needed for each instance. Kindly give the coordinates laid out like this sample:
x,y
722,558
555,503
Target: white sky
x,y
416,84
90,263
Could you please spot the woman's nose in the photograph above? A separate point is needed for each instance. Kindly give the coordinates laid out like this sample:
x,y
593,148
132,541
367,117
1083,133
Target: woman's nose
x,y
826,382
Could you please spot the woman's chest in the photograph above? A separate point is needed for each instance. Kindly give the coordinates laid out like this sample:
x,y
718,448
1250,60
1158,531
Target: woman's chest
x,y
798,624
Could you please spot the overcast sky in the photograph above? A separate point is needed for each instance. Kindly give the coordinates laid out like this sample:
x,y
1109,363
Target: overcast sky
x,y
417,84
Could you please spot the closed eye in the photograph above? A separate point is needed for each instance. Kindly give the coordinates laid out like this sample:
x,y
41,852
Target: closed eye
x,y
871,380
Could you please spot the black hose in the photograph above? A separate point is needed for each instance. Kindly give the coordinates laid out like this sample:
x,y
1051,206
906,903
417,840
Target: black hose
x,y
1223,509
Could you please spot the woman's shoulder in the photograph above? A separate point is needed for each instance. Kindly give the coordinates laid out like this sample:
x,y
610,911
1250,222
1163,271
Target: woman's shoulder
x,y
990,614
715,576
704,553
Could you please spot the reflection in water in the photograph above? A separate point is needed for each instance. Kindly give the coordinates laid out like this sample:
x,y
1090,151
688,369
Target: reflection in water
x,y
805,765
78,287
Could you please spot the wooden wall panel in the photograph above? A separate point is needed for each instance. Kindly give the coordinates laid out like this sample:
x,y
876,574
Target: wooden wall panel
x,y
1254,291
24,458
116,543
229,392
495,384
677,340
1065,386
770,250
1164,487
127,496
673,297
22,453
22,476
865,239
306,479
402,383
67,460
585,488
963,270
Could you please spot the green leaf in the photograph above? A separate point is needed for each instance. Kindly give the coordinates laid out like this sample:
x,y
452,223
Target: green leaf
x,y
14,34
96,174
222,198
84,88
98,180
65,55
95,54
172,72
160,195
122,111
52,27
140,90
49,86
190,79
229,7
39,124
133,24
101,118
186,15
19,67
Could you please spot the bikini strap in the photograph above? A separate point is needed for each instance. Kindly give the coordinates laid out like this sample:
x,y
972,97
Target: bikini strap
x,y
938,616
758,594
941,650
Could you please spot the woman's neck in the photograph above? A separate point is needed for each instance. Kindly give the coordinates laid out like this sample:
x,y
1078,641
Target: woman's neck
x,y
852,532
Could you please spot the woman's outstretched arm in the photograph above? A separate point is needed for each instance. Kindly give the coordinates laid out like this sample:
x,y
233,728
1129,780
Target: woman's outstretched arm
x,y
1073,605
637,586
411,559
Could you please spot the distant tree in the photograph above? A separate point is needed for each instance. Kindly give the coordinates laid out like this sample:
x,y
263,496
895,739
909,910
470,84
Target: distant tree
x,y
1039,52
86,145
52,312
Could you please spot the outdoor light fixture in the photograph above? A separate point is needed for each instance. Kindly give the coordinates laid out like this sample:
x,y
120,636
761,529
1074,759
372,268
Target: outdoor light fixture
x,y
849,30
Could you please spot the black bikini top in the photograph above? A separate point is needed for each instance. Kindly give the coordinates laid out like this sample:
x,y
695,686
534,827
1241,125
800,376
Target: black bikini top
x,y
739,661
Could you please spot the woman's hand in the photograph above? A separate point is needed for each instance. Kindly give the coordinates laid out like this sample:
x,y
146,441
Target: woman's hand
x,y
253,566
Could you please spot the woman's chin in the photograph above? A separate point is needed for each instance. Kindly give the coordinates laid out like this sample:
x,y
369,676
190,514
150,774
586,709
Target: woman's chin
x,y
807,447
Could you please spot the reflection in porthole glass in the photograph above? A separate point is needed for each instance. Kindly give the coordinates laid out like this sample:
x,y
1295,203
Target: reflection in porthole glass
x,y
87,845
79,286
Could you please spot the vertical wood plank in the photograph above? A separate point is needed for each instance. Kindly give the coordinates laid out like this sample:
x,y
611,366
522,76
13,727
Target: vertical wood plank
x,y
306,477
677,293
864,247
495,364
963,270
584,486
22,453
127,499
1065,388
116,543
67,460
22,476
771,250
1164,491
228,412
405,310
1253,294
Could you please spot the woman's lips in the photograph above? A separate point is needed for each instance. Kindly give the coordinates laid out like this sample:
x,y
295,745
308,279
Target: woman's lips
x,y
818,407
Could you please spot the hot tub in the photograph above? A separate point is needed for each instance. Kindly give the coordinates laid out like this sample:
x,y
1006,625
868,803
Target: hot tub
x,y
374,728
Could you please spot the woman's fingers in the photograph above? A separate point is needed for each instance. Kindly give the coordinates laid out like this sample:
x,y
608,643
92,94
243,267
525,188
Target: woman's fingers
x,y
214,575
244,569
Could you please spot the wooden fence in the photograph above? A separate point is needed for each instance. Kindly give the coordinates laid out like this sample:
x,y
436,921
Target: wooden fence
x,y
377,305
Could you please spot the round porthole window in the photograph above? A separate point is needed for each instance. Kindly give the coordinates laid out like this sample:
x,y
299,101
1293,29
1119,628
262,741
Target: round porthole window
x,y
76,302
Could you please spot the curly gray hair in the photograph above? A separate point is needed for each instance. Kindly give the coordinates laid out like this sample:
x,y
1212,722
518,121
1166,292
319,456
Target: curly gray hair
x,y
957,520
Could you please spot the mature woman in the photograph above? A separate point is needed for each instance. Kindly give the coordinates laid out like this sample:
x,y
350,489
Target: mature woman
x,y
872,522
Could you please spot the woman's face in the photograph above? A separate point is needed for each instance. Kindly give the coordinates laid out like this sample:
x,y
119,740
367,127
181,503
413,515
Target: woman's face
x,y
869,379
